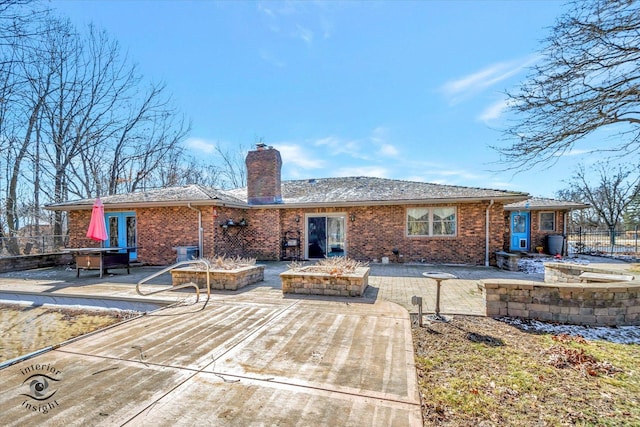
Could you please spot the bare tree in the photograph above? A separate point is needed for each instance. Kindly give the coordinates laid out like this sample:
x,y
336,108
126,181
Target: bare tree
x,y
616,188
588,79
234,173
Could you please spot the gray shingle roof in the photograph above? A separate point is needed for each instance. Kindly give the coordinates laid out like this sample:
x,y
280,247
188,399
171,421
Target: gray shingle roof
x,y
320,191
367,189
541,203
196,194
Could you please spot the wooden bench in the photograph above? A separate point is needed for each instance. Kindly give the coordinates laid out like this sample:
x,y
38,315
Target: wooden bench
x,y
602,277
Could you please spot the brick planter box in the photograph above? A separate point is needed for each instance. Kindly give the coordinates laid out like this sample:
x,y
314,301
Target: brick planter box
x,y
314,283
230,280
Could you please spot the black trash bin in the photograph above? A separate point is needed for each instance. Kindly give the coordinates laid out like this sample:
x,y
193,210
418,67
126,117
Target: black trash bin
x,y
555,244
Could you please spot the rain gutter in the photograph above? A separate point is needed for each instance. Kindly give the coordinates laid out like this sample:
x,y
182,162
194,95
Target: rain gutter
x,y
200,254
486,250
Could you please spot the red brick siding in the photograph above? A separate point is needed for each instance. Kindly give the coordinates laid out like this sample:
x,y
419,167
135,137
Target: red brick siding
x,y
78,223
375,232
263,176
378,230
162,229
539,237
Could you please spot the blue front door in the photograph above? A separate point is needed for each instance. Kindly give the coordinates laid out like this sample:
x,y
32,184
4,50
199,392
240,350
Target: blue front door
x,y
519,231
121,230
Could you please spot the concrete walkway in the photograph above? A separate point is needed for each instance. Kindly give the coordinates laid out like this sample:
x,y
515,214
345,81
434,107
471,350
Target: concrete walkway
x,y
250,357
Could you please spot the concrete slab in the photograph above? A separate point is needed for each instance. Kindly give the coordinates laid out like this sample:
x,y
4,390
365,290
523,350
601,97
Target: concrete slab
x,y
284,362
211,401
88,390
247,357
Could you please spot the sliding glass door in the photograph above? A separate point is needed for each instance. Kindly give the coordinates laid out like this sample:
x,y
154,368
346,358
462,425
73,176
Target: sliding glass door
x,y
325,236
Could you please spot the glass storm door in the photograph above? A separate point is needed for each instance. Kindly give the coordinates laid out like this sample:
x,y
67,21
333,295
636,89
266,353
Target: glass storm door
x,y
325,236
121,230
519,231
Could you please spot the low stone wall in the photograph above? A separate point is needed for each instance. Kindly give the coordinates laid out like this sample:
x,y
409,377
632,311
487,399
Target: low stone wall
x,y
310,283
559,272
230,280
28,262
507,261
601,304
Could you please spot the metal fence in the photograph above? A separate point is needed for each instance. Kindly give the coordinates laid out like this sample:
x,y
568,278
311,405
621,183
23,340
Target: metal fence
x,y
29,245
612,243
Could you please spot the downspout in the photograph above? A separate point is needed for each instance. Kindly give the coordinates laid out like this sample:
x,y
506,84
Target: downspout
x,y
486,246
565,249
200,254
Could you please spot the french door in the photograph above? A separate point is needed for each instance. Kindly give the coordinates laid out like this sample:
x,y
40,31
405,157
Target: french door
x,y
122,233
325,236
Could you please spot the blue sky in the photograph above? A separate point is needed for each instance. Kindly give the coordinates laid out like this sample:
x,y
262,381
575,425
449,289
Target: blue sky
x,y
403,90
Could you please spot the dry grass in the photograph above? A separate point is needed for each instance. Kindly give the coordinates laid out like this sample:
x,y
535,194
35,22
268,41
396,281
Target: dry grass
x,y
336,266
480,371
25,329
227,263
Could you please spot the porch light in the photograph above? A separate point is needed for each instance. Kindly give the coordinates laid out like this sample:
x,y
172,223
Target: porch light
x,y
352,217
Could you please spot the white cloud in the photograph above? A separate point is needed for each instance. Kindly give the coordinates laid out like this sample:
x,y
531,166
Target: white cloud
x,y
304,34
338,146
268,57
469,85
576,152
295,155
494,111
267,11
200,144
388,150
379,137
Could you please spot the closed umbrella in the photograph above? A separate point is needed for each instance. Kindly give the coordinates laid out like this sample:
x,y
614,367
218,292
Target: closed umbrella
x,y
97,228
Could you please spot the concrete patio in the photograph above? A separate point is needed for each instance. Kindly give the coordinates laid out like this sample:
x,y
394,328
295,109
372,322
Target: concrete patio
x,y
247,357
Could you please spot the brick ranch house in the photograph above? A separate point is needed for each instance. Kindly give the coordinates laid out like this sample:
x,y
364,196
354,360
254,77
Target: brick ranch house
x,y
359,217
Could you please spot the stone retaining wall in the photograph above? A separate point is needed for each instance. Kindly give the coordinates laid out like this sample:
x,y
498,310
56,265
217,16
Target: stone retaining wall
x,y
601,304
28,262
310,283
558,272
230,280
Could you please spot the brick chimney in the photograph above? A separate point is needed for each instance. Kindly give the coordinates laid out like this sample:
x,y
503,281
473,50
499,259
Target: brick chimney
x,y
263,175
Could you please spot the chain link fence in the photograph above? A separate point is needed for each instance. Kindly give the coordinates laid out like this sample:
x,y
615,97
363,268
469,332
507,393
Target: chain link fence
x,y
31,245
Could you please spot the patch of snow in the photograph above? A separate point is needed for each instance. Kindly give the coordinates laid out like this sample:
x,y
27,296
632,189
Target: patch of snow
x,y
618,334
535,265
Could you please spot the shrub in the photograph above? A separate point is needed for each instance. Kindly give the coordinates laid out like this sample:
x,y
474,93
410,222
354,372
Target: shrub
x,y
336,266
227,263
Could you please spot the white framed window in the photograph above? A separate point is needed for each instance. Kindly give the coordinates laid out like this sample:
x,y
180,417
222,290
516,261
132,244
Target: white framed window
x,y
547,221
434,221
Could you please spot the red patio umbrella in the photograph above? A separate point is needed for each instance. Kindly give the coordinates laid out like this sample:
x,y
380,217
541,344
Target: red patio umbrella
x,y
97,228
